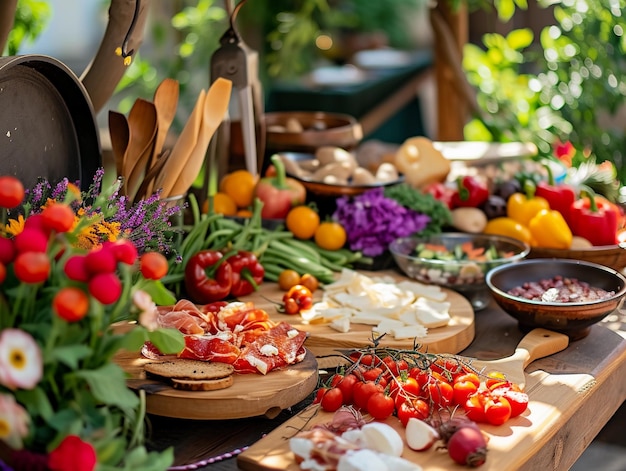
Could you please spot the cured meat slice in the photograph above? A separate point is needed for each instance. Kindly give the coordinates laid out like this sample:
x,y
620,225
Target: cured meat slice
x,y
210,348
182,321
278,347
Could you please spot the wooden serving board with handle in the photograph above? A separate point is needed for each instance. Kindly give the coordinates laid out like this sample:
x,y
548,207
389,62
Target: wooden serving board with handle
x,y
251,394
272,453
325,341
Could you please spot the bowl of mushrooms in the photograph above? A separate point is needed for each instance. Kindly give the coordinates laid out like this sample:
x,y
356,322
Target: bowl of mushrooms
x,y
333,171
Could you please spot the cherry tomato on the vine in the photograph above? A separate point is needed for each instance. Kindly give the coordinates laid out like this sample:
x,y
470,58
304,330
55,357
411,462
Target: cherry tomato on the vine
x,y
153,265
412,409
58,217
346,385
71,303
11,191
362,392
380,405
332,400
297,299
497,410
288,278
310,282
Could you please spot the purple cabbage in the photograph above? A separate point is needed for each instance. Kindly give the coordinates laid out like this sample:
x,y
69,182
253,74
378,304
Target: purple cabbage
x,y
373,221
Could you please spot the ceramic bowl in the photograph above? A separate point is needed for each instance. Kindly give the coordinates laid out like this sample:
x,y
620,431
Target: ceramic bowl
x,y
574,319
613,256
464,276
318,129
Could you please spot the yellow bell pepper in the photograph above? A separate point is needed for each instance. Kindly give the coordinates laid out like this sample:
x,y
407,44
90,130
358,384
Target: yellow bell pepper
x,y
523,208
509,227
550,230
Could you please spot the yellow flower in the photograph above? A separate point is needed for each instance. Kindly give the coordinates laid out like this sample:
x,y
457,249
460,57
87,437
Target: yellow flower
x,y
15,226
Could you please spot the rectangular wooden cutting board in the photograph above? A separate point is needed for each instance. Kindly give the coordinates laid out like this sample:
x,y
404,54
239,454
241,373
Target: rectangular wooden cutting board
x,y
324,341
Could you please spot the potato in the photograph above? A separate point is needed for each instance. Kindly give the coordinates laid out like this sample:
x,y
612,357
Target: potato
x,y
363,176
329,154
293,125
386,172
293,168
472,220
341,170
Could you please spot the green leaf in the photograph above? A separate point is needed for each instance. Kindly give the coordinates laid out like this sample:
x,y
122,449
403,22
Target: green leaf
x,y
37,402
108,385
520,38
71,355
159,293
134,339
167,340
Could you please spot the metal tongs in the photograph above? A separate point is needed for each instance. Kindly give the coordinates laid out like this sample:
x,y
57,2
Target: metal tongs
x,y
235,61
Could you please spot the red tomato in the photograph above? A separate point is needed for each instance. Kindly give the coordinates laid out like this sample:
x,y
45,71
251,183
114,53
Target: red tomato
x,y
373,374
420,375
332,400
462,389
495,379
335,380
362,392
412,409
441,393
497,410
302,297
380,405
319,394
58,217
347,387
406,386
32,267
365,359
475,407
11,192
517,399
71,304
105,287
153,265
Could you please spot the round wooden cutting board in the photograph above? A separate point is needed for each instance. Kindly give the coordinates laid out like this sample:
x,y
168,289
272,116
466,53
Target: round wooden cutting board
x,y
251,395
324,341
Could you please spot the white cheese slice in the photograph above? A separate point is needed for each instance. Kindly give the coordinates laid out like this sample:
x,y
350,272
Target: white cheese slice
x,y
386,326
432,314
409,332
268,350
433,292
341,324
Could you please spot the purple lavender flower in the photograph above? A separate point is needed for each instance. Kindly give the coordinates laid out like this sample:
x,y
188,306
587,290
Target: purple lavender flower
x,y
372,221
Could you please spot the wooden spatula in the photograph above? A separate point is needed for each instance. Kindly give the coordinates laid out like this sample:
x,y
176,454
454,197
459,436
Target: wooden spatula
x,y
538,343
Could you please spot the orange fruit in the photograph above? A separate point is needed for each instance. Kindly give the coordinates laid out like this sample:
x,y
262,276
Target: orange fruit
x,y
239,185
330,235
221,204
302,221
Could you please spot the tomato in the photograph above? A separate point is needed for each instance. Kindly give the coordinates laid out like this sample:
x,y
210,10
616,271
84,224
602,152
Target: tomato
x,y
404,385
373,374
3,273
471,377
330,235
335,380
11,192
362,392
302,221
239,185
347,387
105,287
417,409
518,400
153,265
287,279
71,304
58,217
495,378
332,400
441,393
420,375
364,358
462,389
380,405
475,407
319,394
220,203
32,267
497,410
301,296
310,281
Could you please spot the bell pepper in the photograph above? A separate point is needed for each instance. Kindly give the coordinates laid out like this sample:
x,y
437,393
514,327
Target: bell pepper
x,y
470,192
524,206
440,191
595,218
247,274
208,277
560,197
279,193
549,229
510,228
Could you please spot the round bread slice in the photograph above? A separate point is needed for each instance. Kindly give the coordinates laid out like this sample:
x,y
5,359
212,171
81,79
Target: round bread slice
x,y
189,369
203,385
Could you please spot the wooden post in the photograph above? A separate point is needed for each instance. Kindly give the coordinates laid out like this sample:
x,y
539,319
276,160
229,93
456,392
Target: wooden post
x,y
451,33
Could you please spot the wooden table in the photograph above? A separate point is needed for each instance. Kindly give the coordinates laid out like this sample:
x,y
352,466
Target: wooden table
x,y
572,426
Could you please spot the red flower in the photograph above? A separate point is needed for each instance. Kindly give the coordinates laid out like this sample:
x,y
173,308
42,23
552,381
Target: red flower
x,y
72,454
565,152
105,287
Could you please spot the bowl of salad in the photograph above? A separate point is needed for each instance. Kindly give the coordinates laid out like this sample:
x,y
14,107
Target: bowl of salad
x,y
455,260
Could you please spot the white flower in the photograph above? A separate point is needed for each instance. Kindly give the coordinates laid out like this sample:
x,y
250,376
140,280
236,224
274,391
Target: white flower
x,y
13,422
21,364
147,310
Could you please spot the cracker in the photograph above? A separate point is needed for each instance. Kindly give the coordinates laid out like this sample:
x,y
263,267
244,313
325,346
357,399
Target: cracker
x,y
189,369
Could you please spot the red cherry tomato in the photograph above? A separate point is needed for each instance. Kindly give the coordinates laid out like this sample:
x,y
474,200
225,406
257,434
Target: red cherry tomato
x,y
362,392
71,303
465,385
11,192
406,386
412,409
441,393
475,407
347,387
380,405
153,265
32,267
58,217
516,398
497,410
373,374
302,297
332,400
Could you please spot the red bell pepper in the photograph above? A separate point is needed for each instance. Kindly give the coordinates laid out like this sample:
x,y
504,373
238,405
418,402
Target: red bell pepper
x,y
470,192
247,274
559,197
440,192
594,218
279,193
208,277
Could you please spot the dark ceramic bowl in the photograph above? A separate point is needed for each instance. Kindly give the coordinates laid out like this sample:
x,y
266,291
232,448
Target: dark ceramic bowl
x,y
464,276
574,319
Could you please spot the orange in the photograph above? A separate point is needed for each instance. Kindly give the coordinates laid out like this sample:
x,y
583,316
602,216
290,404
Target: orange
x,y
330,235
302,221
239,185
222,204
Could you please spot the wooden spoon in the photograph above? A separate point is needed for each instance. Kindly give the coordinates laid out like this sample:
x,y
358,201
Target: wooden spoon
x,y
120,135
144,189
215,108
166,103
142,121
182,149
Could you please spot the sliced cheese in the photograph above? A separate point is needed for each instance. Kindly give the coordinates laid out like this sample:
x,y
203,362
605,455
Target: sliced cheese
x,y
433,292
409,332
432,314
341,324
386,326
